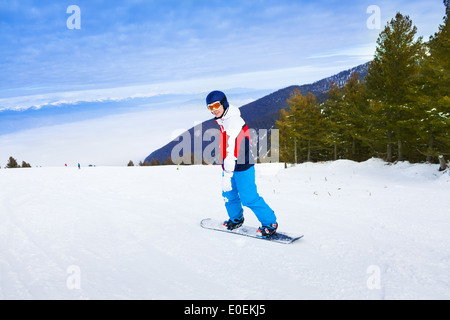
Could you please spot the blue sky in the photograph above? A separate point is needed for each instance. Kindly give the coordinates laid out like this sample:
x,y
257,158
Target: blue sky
x,y
171,46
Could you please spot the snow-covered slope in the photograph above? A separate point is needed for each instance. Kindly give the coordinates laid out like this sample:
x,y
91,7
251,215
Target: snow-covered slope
x,y
372,231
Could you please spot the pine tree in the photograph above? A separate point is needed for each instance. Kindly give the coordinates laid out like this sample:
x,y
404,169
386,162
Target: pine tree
x,y
154,162
288,140
168,161
309,123
356,115
434,98
392,80
12,163
25,165
130,164
333,120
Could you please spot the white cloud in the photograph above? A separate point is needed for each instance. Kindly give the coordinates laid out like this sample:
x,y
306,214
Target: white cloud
x,y
363,52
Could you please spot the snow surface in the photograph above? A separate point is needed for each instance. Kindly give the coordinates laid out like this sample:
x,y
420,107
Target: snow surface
x,y
372,231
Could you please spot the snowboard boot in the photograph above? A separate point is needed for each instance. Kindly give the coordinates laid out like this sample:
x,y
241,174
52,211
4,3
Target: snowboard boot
x,y
234,224
267,231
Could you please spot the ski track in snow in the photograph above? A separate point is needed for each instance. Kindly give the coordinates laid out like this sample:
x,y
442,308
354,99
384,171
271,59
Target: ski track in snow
x,y
372,231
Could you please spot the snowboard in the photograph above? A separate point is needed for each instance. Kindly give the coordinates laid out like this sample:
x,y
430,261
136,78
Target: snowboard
x,y
248,231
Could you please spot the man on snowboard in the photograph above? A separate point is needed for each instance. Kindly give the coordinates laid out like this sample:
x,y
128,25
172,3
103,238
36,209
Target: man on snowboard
x,y
238,177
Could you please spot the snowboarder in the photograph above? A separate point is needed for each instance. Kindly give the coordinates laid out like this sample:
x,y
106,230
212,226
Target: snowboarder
x,y
238,177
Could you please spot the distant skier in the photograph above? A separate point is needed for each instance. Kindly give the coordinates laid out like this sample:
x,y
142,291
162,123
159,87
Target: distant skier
x,y
238,177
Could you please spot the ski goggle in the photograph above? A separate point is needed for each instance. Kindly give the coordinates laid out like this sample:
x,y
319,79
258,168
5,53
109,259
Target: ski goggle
x,y
214,106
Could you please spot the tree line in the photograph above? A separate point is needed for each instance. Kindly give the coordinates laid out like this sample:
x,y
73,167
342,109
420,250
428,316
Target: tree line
x,y
12,163
400,111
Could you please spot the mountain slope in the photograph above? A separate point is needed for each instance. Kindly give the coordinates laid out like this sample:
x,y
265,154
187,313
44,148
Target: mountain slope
x,y
262,113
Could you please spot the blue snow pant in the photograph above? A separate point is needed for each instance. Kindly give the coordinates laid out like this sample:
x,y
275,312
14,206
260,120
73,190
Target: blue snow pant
x,y
244,193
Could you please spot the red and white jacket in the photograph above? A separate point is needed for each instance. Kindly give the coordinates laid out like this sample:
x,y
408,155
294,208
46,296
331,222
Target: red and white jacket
x,y
235,142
